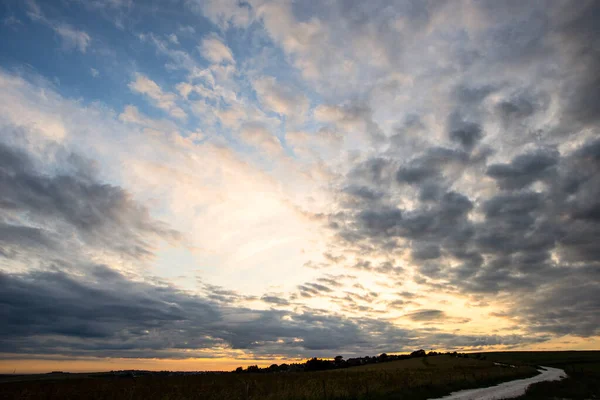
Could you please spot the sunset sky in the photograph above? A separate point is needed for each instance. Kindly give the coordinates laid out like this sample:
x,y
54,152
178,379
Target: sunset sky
x,y
198,185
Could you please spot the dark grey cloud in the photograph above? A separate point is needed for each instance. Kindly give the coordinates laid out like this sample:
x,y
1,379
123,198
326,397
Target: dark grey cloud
x,y
524,169
312,289
380,221
463,132
220,294
331,281
416,173
279,301
578,33
430,165
516,108
457,342
435,223
396,304
105,314
470,95
526,244
71,204
566,306
14,238
364,193
374,170
385,267
101,313
426,315
425,251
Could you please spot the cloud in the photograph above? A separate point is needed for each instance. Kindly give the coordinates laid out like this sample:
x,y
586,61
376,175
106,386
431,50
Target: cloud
x,y
311,289
354,118
451,151
318,145
385,267
582,86
101,313
278,301
188,30
173,38
73,205
224,13
163,100
72,38
214,50
189,182
33,10
523,241
466,133
281,98
470,173
219,294
257,135
426,315
116,4
524,169
132,115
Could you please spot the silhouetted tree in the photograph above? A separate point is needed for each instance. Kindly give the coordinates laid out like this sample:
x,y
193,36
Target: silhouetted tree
x,y
316,364
418,353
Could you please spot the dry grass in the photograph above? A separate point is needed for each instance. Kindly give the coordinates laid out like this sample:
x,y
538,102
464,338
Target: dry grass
x,y
406,379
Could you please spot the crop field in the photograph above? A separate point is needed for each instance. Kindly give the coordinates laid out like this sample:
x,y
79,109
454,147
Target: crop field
x,y
418,378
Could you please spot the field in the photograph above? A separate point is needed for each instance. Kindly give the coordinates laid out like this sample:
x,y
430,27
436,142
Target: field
x,y
558,359
417,378
582,367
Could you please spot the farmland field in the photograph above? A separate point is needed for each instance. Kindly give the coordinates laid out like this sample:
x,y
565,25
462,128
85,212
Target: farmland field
x,y
582,368
417,378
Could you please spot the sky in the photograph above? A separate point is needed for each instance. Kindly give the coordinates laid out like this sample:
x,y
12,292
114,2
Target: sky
x,y
198,185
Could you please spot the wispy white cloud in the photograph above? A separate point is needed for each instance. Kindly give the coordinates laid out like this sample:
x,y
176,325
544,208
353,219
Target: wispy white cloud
x,y
224,13
163,100
132,115
173,38
187,30
72,38
33,10
214,50
11,20
281,98
256,134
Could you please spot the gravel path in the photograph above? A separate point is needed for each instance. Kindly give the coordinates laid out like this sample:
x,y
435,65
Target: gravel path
x,y
507,390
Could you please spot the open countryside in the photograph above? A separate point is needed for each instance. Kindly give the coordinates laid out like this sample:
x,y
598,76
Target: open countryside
x,y
418,376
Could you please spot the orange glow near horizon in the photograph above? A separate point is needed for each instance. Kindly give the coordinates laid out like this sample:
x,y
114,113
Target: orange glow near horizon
x,y
35,366
114,364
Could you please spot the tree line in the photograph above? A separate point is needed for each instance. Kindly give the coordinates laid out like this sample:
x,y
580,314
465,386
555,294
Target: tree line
x,y
321,364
